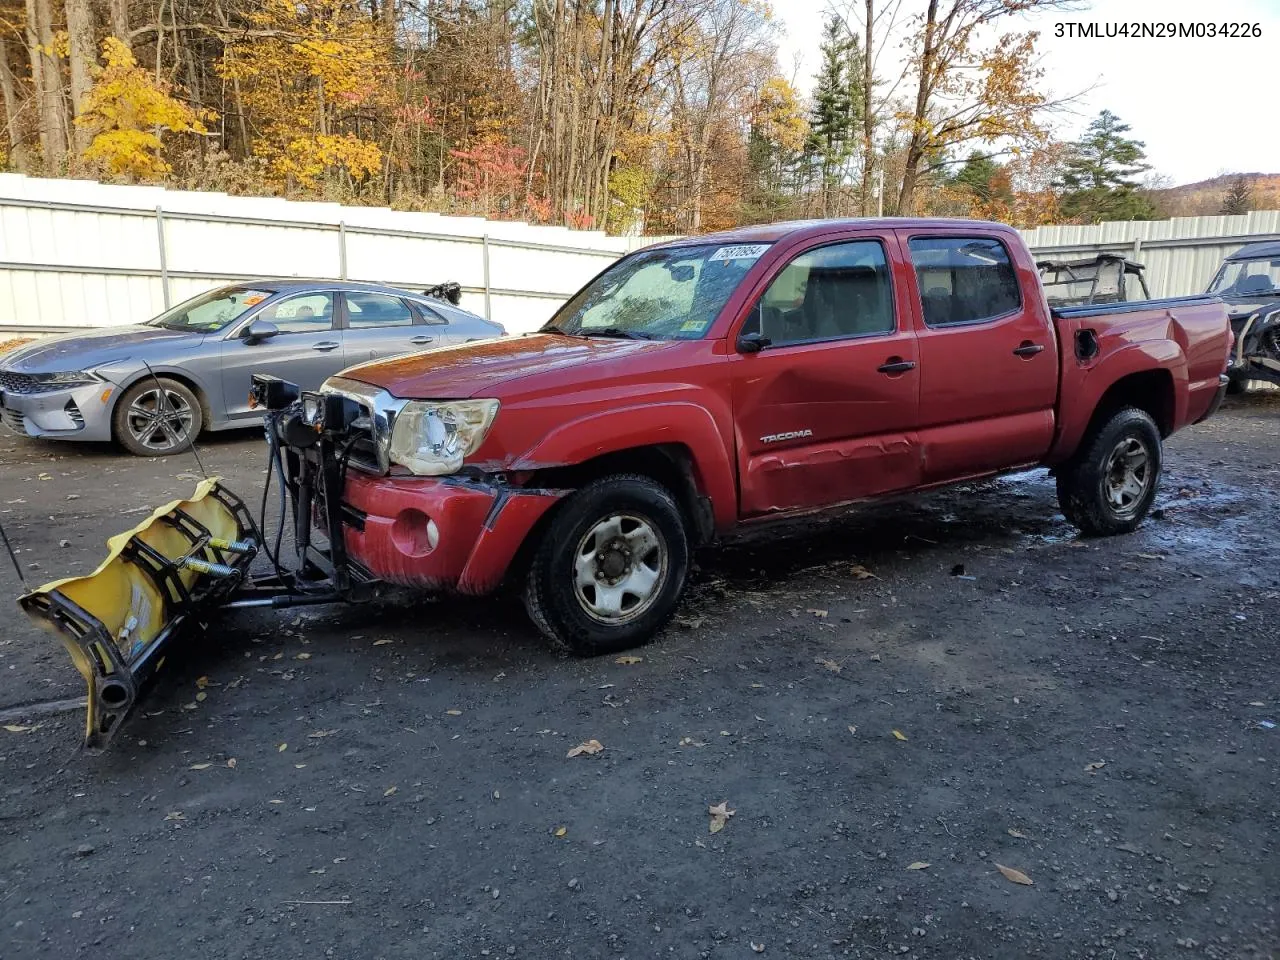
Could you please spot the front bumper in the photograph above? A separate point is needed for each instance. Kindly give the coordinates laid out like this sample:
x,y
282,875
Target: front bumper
x,y
76,413
441,533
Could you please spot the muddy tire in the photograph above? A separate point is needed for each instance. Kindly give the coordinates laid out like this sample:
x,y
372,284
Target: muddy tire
x,y
610,568
148,426
1109,486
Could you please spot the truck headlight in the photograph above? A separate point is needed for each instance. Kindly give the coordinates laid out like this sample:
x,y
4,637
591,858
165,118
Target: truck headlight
x,y
431,438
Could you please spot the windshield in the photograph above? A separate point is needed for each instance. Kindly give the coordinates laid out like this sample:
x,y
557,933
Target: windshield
x,y
210,312
1248,278
669,294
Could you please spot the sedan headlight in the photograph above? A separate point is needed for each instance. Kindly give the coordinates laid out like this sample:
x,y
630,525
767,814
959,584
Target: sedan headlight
x,y
432,438
67,378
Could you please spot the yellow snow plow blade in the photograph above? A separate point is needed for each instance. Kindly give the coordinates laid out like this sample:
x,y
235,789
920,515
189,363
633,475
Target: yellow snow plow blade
x,y
116,621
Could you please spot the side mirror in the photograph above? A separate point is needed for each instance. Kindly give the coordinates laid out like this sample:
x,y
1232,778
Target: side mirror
x,y
753,342
259,330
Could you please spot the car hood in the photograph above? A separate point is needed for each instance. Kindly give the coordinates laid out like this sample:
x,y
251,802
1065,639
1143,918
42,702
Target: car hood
x,y
476,369
86,350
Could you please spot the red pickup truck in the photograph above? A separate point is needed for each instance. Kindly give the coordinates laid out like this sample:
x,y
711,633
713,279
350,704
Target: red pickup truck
x,y
712,382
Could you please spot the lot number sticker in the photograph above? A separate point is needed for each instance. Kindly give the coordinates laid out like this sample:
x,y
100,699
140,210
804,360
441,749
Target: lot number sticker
x,y
750,251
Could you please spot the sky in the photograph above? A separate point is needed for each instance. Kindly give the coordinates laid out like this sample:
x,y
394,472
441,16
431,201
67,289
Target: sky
x,y
1202,106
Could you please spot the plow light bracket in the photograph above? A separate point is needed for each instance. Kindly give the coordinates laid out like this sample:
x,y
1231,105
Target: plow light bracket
x,y
272,393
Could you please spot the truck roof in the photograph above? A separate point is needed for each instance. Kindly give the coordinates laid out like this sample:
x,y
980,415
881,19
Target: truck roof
x,y
1252,250
772,232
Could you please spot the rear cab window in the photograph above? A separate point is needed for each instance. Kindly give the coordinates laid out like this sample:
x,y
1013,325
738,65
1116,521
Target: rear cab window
x,y
964,280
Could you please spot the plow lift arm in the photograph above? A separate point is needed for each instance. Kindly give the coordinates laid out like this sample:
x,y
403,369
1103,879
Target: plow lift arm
x,y
190,559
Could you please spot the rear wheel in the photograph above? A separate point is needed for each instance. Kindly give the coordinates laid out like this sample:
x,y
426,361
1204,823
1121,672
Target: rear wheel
x,y
157,417
611,567
1109,486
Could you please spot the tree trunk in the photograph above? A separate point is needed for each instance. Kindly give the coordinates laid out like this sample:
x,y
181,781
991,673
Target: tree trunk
x,y
48,82
924,93
120,20
80,32
868,121
13,132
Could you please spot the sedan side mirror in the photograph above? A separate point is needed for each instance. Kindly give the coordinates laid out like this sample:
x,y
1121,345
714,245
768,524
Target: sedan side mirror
x,y
753,342
258,331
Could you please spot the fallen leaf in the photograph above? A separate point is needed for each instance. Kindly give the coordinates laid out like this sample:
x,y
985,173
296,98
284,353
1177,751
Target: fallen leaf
x,y
321,733
299,766
389,791
899,735
1015,832
1092,767
757,947
202,696
232,763
1129,848
859,572
383,641
175,815
454,713
629,660
561,831
720,815
17,728
45,476
202,682
875,658
829,664
1015,876
820,614
277,802
589,748
282,748
201,766
919,865
303,656
690,742
852,728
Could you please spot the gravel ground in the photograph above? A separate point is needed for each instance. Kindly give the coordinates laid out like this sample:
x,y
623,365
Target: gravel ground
x,y
897,704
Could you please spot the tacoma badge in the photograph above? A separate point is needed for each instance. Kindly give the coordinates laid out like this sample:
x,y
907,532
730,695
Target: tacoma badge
x,y
789,435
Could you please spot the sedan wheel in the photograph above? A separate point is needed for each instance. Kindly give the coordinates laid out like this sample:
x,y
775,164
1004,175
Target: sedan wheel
x,y
157,419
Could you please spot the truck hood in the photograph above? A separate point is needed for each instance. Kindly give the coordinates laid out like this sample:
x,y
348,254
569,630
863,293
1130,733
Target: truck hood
x,y
476,369
84,351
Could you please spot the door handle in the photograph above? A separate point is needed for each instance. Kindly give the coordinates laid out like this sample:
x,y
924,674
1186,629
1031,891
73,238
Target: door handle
x,y
326,345
896,365
1028,349
421,340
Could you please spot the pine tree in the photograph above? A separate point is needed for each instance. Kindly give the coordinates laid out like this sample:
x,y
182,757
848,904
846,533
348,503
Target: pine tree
x,y
1238,199
835,117
1099,174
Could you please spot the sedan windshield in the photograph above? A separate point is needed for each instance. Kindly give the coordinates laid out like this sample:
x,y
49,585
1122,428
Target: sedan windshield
x,y
1248,278
673,293
211,311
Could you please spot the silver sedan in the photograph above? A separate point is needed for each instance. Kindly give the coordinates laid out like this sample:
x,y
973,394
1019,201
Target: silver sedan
x,y
155,386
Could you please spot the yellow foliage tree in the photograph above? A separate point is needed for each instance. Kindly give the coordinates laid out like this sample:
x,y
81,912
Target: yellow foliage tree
x,y
126,111
307,74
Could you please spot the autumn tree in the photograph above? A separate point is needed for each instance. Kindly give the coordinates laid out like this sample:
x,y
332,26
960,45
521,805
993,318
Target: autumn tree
x,y
969,90
125,113
308,72
1239,197
775,148
1099,176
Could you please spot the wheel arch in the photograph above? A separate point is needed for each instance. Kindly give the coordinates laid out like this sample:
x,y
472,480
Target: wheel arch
x,y
182,377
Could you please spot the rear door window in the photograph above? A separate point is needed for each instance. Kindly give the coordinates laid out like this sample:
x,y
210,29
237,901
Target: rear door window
x,y
964,279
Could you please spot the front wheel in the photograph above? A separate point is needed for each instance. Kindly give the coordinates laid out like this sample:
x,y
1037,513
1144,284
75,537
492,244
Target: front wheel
x,y
1109,486
157,417
611,566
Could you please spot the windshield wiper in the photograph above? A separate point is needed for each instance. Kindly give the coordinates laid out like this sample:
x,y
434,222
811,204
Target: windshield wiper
x,y
618,332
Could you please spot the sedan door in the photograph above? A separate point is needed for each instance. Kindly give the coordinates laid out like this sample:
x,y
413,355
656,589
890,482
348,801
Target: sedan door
x,y
379,325
306,349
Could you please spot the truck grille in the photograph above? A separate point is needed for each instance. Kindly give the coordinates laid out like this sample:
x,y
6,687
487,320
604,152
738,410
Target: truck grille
x,y
361,445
